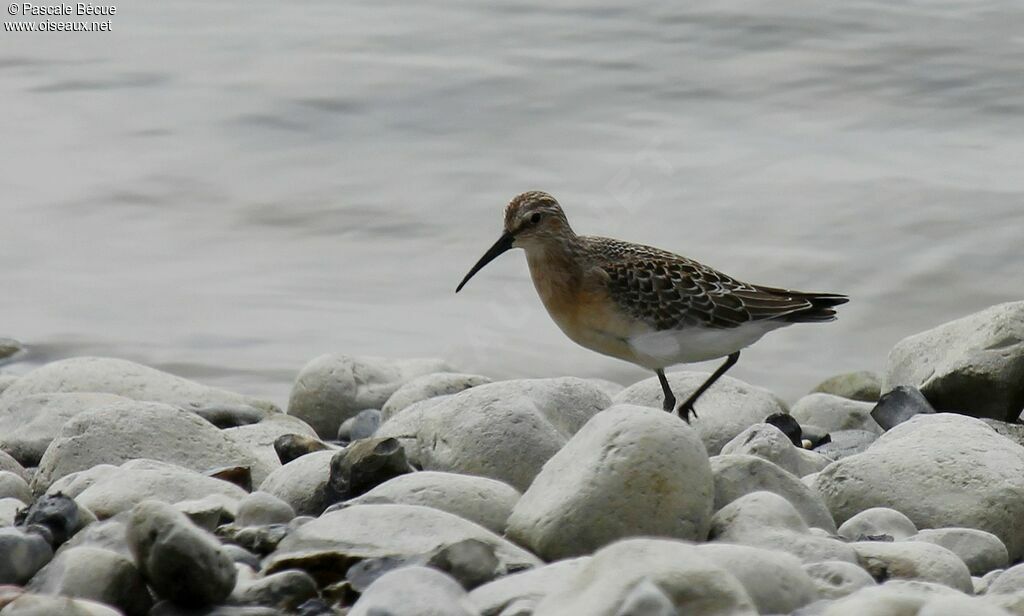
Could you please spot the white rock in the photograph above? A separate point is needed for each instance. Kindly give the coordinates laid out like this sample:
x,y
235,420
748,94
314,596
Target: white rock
x,y
414,591
694,583
13,486
932,453
959,606
487,502
302,482
126,431
9,508
1009,581
835,413
334,387
913,560
28,424
877,522
886,600
834,579
6,380
739,474
97,574
429,386
117,489
775,581
10,465
261,508
768,442
524,588
505,430
31,604
973,365
981,552
723,411
629,471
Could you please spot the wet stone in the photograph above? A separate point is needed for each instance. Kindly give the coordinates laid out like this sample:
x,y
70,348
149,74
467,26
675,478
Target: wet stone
x,y
241,476
899,405
472,563
366,464
58,513
292,446
788,426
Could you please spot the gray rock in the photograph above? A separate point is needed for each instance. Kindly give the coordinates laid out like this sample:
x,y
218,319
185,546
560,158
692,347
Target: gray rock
x,y
259,438
97,574
933,452
9,347
693,582
775,581
505,431
9,464
6,380
30,604
363,425
167,608
981,552
286,590
291,447
878,523
334,387
973,365
256,539
302,483
1009,581
898,405
429,386
261,508
28,424
414,591
768,442
110,534
126,431
13,486
124,487
846,443
123,378
835,413
210,511
524,589
834,579
1012,431
9,508
470,562
181,562
738,475
58,513
913,560
629,471
21,555
864,385
365,464
487,502
725,410
338,538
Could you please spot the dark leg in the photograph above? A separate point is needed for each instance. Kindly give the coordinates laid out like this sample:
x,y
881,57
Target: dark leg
x,y
687,407
670,400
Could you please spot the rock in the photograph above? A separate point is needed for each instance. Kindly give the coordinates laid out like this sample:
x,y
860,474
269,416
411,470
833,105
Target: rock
x,y
28,424
167,608
9,348
124,378
259,438
126,431
13,486
21,555
181,562
691,580
110,534
471,562
9,508
429,386
913,560
775,581
229,415
59,513
973,365
609,387
788,426
286,590
1009,581
487,502
1012,431
981,552
210,511
898,405
302,483
241,476
834,579
835,413
414,591
241,556
365,464
878,524
845,443
256,539
739,474
933,452
10,465
958,606
767,520
725,410
332,542
505,431
29,604
863,385
261,508
363,425
334,387
365,572
629,471
892,599
526,588
137,480
291,447
6,380
96,574
768,442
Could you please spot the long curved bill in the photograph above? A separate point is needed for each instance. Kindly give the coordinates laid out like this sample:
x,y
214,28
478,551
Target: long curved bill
x,y
503,244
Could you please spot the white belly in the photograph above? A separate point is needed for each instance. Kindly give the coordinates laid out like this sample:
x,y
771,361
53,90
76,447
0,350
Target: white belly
x,y
665,348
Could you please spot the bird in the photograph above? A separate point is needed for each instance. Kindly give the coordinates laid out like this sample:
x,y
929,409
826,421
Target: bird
x,y
641,304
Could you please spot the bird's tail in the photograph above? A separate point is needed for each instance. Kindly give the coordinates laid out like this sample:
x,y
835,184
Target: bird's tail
x,y
821,309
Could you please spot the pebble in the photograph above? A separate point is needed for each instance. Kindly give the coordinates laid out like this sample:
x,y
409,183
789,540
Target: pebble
x,y
261,508
365,464
302,483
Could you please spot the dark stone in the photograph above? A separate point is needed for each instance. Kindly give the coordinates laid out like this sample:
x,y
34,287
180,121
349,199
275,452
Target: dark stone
x,y
788,426
242,556
900,404
167,608
241,476
846,443
260,540
285,590
363,425
22,554
816,436
227,415
316,607
363,465
365,572
56,512
292,446
471,562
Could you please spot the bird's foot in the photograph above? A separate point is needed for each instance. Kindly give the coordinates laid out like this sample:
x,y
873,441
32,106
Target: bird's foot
x,y
685,409
669,406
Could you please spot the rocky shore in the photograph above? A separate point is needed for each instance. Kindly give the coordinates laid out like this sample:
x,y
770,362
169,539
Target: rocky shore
x,y
404,487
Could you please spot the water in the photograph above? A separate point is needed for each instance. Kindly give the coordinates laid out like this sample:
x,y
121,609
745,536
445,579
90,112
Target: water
x,y
226,190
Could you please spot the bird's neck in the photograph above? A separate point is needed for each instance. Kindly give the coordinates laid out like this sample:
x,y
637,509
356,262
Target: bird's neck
x,y
555,268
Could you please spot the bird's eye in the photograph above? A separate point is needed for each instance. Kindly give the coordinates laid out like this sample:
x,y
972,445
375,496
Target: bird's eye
x,y
535,218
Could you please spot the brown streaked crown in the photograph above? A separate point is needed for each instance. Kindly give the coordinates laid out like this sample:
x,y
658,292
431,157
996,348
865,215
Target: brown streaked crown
x,y
525,204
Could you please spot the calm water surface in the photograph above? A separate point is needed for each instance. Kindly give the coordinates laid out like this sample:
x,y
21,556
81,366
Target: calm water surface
x,y
228,189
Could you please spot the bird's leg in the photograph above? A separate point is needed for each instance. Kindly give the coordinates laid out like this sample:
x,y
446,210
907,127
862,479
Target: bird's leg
x,y
670,400
687,407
